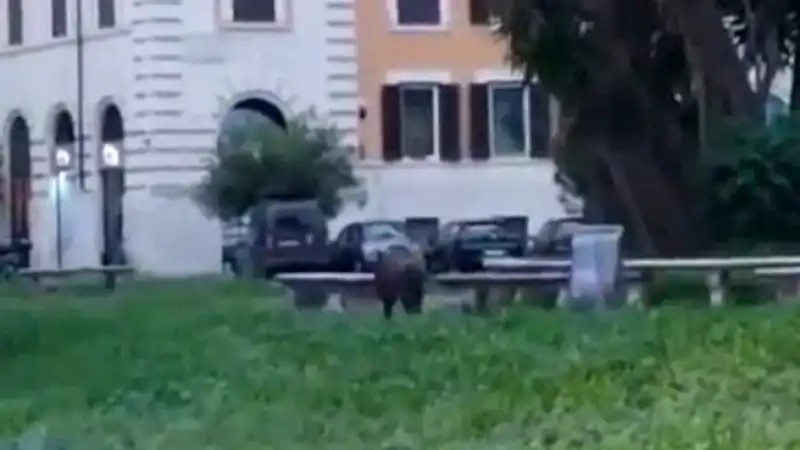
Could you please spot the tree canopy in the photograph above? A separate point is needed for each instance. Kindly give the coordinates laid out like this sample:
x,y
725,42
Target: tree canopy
x,y
638,83
306,160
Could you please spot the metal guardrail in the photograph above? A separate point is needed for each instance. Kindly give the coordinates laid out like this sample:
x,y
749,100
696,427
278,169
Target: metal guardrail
x,y
709,264
715,270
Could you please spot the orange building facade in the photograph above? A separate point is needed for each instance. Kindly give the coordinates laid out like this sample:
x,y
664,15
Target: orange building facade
x,y
434,85
446,128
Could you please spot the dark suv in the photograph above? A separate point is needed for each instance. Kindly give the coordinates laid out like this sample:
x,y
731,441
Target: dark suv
x,y
464,244
282,236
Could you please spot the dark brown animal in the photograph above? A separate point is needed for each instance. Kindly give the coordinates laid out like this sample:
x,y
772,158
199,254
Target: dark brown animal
x,y
400,275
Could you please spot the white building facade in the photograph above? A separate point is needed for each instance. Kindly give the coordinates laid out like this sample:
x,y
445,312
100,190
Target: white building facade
x,y
173,69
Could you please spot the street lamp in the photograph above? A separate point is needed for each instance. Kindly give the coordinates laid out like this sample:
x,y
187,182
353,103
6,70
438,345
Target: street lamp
x,y
111,157
62,163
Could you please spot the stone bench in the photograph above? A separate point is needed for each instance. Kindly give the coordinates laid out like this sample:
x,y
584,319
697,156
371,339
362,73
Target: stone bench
x,y
784,281
507,288
50,278
334,290
325,290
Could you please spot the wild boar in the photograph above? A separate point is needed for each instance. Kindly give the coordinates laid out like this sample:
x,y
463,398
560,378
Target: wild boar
x,y
400,274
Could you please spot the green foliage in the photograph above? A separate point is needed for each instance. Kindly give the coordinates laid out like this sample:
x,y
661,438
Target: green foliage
x,y
306,160
204,365
546,38
755,180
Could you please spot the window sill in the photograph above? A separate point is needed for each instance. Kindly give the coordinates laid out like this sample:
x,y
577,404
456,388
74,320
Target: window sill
x,y
420,29
465,162
272,27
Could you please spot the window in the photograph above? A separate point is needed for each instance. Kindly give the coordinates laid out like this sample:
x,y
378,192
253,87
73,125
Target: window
x,y
419,12
58,25
263,11
15,22
420,121
348,235
479,230
417,121
509,119
449,230
382,231
106,14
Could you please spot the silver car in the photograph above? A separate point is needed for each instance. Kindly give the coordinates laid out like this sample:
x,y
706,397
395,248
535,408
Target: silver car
x,y
359,245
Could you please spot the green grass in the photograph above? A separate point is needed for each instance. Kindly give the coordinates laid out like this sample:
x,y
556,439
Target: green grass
x,y
203,365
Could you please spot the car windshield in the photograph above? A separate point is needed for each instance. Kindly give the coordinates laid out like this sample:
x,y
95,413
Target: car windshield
x,y
558,229
381,232
448,230
481,229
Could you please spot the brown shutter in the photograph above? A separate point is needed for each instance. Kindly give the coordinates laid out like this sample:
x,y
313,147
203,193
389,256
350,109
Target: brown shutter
x,y
479,12
479,121
449,122
390,123
539,118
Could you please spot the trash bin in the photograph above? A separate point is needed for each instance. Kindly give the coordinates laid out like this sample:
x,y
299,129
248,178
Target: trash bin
x,y
596,266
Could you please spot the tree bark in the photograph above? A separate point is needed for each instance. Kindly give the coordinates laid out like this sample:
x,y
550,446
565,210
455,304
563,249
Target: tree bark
x,y
794,103
709,48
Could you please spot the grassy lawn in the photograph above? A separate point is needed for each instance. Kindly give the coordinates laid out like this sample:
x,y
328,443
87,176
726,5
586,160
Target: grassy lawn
x,y
200,365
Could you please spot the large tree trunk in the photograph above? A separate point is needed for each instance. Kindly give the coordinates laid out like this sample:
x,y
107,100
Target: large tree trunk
x,y
794,103
640,176
711,52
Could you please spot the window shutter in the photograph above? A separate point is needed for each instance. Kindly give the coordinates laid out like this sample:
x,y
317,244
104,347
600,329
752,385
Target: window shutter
x,y
479,12
539,121
479,121
390,122
449,123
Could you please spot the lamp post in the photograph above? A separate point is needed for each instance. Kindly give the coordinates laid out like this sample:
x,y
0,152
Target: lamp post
x,y
62,162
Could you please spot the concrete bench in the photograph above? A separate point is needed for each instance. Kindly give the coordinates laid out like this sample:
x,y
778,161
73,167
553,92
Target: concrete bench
x,y
51,277
510,285
325,290
334,290
506,287
784,281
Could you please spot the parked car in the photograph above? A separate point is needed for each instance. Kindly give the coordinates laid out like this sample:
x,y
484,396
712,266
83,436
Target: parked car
x,y
462,245
554,238
358,244
281,236
14,256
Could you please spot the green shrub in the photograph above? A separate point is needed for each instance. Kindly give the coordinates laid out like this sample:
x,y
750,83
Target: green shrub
x,y
754,175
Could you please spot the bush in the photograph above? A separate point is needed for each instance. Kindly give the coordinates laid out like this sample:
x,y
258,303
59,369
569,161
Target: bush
x,y
754,174
306,160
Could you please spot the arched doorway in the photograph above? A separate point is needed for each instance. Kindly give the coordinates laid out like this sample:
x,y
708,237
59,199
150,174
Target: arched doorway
x,y
112,185
248,113
19,164
62,160
65,130
251,112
